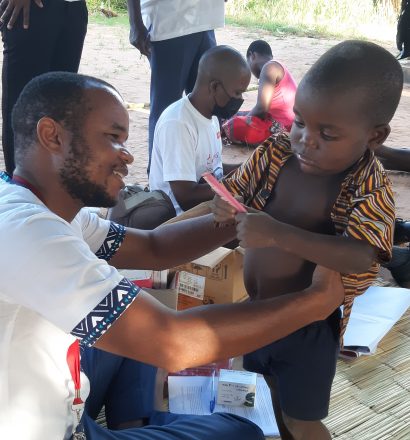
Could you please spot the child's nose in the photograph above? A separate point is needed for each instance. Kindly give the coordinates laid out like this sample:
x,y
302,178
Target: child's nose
x,y
308,139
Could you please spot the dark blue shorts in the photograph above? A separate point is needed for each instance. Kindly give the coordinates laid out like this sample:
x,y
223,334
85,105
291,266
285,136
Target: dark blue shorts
x,y
303,365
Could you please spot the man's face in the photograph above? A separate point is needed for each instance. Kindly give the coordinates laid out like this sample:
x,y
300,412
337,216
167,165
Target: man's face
x,y
225,90
330,132
96,159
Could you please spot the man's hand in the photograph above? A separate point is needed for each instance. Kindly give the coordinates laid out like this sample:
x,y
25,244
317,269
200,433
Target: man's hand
x,y
328,284
223,212
10,10
256,229
139,38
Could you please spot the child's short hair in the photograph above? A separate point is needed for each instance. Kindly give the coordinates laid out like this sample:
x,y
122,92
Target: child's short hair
x,y
259,46
362,66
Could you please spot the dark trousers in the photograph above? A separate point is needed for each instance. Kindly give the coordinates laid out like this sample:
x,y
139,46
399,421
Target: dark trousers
x,y
53,42
126,388
174,67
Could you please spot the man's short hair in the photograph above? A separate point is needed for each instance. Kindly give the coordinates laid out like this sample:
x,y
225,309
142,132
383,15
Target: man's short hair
x,y
58,95
259,46
361,66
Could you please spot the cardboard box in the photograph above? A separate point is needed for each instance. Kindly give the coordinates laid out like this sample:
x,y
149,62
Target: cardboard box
x,y
168,297
236,388
223,272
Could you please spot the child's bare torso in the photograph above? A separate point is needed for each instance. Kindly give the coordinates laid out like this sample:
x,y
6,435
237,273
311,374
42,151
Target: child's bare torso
x,y
302,200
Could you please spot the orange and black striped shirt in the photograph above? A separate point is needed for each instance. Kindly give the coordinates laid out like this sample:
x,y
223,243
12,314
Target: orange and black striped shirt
x,y
364,208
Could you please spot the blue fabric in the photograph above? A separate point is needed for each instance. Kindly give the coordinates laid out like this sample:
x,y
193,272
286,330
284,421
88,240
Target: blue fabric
x,y
126,388
174,67
104,314
112,242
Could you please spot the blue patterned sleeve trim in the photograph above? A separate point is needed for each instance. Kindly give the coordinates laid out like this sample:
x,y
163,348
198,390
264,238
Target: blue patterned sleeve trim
x,y
112,242
99,320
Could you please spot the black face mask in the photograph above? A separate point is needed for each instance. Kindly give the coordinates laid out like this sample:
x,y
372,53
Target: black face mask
x,y
229,109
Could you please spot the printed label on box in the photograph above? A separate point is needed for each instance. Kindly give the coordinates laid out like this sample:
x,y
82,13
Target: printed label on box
x,y
191,285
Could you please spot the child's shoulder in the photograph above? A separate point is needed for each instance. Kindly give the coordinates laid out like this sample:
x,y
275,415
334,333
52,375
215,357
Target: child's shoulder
x,y
370,175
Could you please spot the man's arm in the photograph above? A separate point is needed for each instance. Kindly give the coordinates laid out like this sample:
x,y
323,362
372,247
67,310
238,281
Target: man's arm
x,y
171,244
189,194
152,333
394,158
271,74
10,10
139,35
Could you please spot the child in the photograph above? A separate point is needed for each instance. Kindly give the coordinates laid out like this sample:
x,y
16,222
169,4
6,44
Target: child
x,y
321,198
276,96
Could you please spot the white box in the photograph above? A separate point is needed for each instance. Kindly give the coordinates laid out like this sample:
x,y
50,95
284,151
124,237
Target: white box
x,y
236,388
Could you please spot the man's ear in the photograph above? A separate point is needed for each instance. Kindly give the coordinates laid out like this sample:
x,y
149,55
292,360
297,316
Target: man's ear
x,y
378,136
50,134
213,84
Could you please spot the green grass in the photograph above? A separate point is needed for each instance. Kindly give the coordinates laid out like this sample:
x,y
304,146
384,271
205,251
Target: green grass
x,y
314,18
339,18
98,18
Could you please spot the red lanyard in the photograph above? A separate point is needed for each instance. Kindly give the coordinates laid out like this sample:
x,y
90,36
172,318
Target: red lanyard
x,y
73,361
17,180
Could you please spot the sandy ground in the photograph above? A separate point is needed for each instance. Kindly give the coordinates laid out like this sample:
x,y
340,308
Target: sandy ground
x,y
108,55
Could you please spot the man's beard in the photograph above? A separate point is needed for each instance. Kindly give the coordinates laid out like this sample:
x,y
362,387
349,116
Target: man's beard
x,y
75,180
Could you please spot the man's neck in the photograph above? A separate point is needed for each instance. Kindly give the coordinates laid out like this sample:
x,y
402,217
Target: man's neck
x,y
199,104
51,193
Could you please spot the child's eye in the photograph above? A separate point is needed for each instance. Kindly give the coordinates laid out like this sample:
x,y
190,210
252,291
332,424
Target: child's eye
x,y
298,123
327,137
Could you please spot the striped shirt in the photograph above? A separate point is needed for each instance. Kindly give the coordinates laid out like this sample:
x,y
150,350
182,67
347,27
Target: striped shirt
x,y
364,208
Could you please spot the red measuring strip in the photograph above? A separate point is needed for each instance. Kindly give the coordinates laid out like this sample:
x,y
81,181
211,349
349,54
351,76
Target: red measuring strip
x,y
219,189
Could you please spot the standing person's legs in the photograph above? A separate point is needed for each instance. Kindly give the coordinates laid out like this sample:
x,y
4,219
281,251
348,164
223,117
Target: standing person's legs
x,y
26,54
208,40
171,62
43,47
70,42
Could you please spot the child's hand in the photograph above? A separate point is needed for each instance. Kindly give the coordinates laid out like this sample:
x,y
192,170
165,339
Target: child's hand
x,y
223,212
328,283
256,229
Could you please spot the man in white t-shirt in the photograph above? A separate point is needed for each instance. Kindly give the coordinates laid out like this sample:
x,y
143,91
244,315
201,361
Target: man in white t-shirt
x,y
60,286
187,139
38,37
173,34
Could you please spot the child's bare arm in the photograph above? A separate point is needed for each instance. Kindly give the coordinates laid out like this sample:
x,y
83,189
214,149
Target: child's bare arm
x,y
342,254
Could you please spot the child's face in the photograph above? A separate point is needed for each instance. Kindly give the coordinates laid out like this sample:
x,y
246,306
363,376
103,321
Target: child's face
x,y
330,132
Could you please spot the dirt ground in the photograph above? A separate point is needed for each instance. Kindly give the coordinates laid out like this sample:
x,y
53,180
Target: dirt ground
x,y
108,55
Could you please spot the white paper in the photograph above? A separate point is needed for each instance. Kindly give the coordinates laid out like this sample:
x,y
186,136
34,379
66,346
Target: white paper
x,y
374,313
192,395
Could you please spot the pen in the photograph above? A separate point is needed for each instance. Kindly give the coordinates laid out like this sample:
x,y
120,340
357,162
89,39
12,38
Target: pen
x,y
212,400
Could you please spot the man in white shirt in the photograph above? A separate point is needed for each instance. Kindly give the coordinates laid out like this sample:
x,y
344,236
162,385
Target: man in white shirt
x,y
57,287
173,34
187,139
38,36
